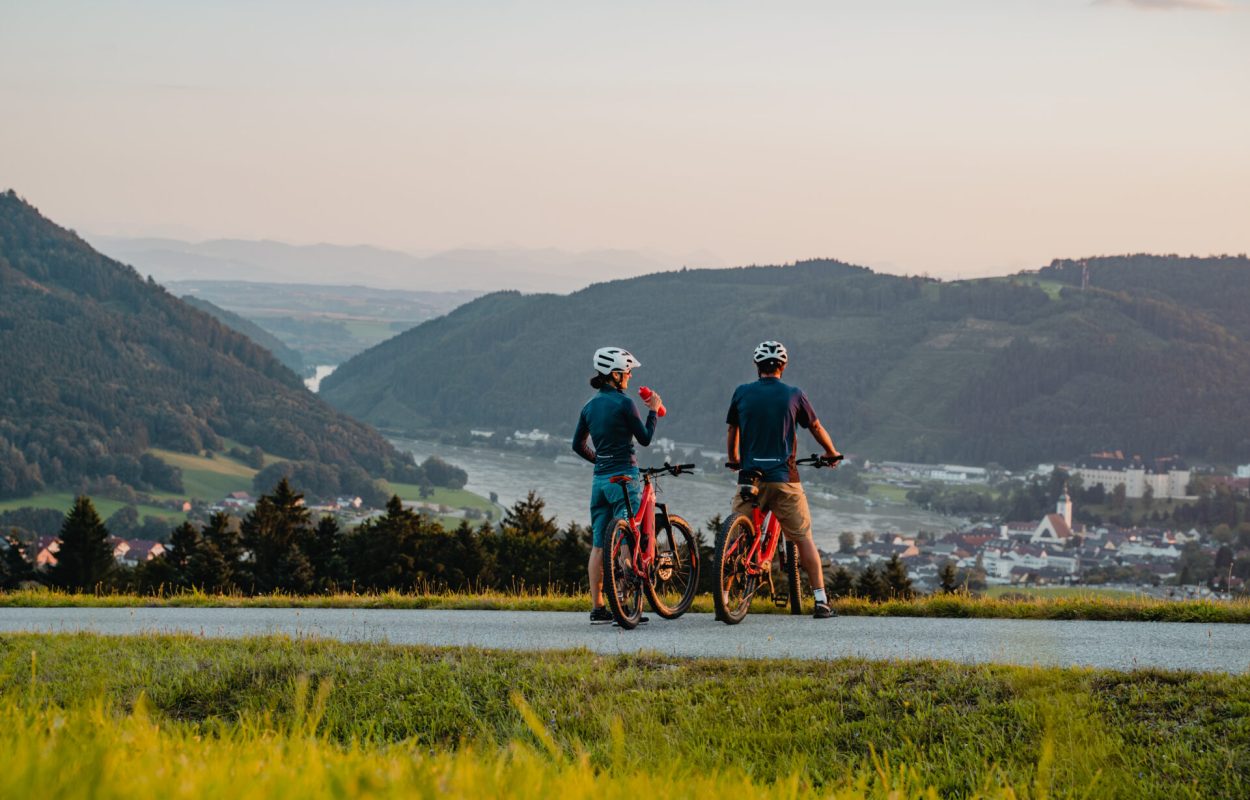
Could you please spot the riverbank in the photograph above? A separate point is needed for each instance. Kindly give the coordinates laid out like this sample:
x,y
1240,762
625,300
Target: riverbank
x,y
1093,607
186,716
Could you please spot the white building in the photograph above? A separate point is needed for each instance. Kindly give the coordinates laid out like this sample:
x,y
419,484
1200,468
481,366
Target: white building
x,y
1166,477
1243,471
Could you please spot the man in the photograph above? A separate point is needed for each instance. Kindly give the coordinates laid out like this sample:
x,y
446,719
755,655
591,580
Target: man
x,y
763,419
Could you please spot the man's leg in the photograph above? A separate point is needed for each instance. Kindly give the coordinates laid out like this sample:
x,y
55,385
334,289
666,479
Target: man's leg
x,y
789,504
809,557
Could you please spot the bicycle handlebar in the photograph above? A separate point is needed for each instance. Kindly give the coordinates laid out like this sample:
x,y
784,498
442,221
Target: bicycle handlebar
x,y
814,460
671,469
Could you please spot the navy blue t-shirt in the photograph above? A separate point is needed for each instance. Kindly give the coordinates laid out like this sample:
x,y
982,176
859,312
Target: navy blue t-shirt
x,y
611,421
768,414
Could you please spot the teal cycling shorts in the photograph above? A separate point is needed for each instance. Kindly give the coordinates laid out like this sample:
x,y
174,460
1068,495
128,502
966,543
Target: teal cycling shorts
x,y
607,504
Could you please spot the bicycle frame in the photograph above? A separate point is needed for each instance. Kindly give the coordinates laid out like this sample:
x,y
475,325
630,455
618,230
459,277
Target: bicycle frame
x,y
642,523
759,558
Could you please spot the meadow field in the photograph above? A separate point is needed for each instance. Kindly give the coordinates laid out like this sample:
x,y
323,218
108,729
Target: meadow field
x,y
177,716
1062,606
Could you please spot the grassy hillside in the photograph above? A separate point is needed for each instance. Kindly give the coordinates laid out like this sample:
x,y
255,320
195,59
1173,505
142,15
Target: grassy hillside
x,y
1016,370
100,365
259,717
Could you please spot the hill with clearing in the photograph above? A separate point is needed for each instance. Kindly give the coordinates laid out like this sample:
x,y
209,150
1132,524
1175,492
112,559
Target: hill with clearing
x,y
1015,370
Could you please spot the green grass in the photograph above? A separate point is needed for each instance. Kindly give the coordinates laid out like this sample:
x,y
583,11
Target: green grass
x,y
453,498
1068,592
94,716
207,478
888,492
1087,606
63,501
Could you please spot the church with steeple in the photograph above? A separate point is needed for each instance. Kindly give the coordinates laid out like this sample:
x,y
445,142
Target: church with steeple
x,y
1056,528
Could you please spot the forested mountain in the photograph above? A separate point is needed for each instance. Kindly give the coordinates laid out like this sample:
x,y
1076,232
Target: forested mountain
x,y
1017,370
97,365
293,360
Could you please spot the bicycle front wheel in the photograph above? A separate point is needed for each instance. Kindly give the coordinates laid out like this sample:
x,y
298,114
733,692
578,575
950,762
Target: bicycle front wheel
x,y
620,583
675,571
734,586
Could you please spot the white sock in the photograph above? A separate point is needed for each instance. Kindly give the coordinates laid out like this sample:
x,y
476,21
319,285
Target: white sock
x,y
820,596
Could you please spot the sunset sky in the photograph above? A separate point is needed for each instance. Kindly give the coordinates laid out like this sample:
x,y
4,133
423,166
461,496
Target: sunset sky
x,y
954,138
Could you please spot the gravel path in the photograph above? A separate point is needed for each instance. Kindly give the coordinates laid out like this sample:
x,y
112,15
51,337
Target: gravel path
x,y
1116,645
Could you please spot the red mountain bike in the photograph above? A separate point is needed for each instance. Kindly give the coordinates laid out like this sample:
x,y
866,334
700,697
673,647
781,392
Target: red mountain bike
x,y
651,551
744,557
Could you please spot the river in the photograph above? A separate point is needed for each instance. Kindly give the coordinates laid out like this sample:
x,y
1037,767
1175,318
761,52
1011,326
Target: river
x,y
566,487
320,373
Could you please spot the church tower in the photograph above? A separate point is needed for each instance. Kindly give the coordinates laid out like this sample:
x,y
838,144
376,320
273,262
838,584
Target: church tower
x,y
1064,507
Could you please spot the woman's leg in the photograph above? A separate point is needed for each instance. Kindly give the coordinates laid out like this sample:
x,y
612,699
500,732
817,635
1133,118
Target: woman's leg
x,y
595,568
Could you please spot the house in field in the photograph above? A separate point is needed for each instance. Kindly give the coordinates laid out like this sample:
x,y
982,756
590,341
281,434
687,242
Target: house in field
x,y
45,549
138,551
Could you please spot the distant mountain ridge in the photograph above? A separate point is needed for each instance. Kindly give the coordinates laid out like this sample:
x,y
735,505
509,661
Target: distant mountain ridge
x,y
1015,370
98,365
478,269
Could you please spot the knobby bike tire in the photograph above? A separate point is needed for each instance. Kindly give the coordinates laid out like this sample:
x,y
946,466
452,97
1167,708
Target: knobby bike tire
x,y
733,589
675,571
620,584
792,577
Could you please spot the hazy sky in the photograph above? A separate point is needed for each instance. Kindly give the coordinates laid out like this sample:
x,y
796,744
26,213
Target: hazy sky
x,y
954,138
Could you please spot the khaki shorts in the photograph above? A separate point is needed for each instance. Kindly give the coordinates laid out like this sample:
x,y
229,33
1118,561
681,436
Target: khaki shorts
x,y
788,503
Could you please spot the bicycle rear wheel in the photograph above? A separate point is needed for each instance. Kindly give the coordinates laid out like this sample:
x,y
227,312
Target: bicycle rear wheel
x,y
792,577
675,571
734,586
622,586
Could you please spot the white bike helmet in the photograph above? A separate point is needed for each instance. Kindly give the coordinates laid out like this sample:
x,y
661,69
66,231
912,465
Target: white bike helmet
x,y
608,359
770,350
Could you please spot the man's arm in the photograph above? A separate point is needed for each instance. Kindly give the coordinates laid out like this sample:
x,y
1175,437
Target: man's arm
x,y
822,438
731,445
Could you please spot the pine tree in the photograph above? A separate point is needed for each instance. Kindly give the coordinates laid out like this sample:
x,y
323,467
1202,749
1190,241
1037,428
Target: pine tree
x,y
841,582
949,577
85,558
870,585
897,579
325,554
184,546
14,568
216,563
276,533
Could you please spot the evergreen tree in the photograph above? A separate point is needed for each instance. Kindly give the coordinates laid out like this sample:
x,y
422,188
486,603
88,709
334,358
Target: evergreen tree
x,y
948,577
325,554
870,585
381,553
14,568
572,553
184,545
216,562
276,533
897,579
473,558
841,583
85,558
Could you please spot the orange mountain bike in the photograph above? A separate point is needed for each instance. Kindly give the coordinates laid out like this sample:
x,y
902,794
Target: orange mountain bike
x,y
650,552
745,547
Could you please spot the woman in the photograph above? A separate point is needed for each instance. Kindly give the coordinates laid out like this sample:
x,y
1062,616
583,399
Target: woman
x,y
610,420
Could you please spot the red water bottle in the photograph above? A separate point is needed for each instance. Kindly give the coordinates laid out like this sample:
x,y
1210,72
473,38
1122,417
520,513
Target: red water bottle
x,y
646,393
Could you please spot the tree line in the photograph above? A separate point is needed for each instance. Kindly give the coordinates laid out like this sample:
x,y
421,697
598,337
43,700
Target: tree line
x,y
279,547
